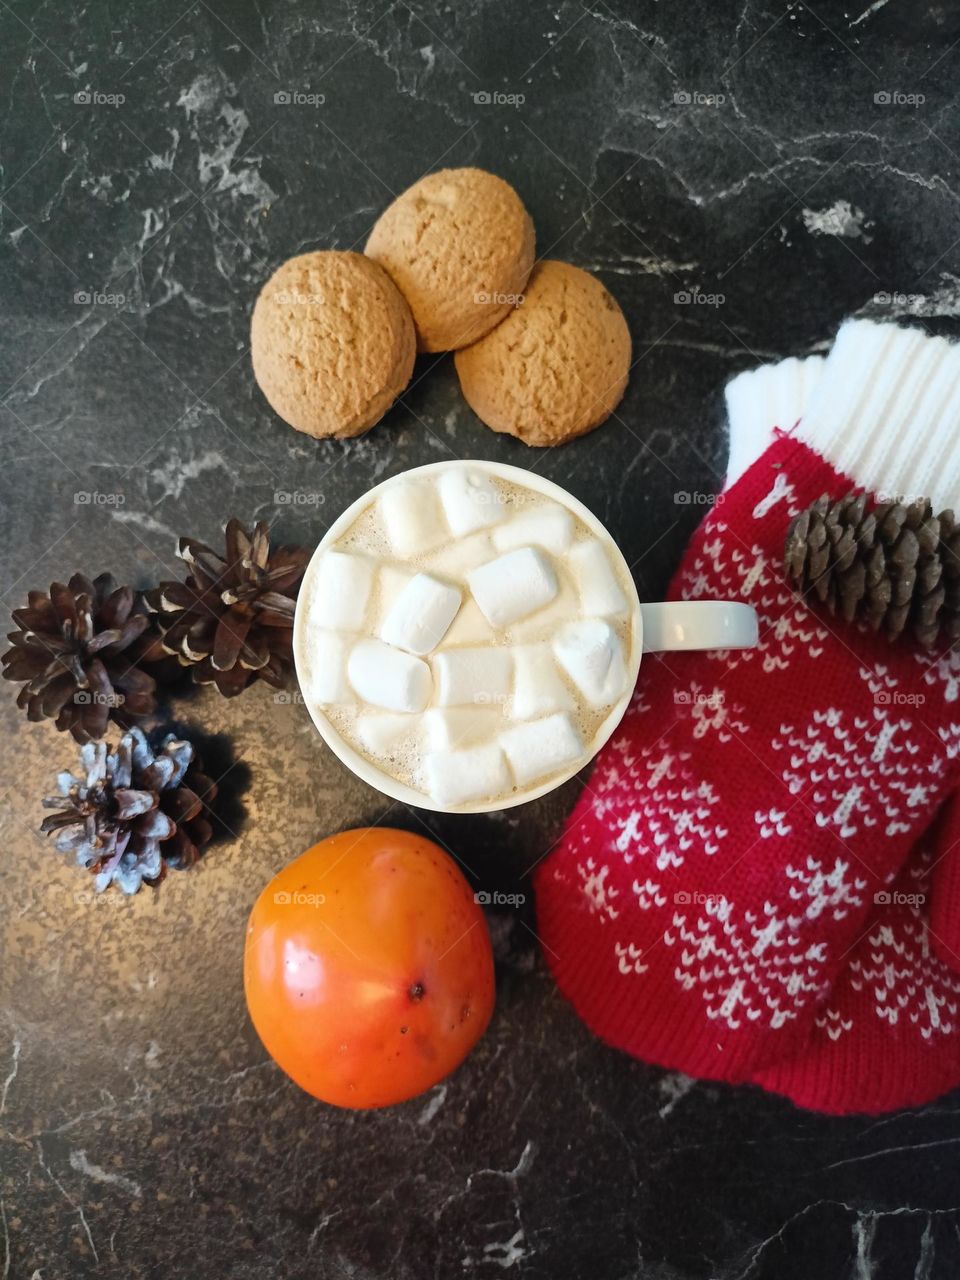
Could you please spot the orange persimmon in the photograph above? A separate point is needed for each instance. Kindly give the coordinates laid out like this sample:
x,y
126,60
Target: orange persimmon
x,y
368,970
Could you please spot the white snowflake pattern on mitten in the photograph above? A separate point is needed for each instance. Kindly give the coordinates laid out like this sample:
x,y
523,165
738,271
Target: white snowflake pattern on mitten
x,y
896,968
750,968
598,893
858,771
835,890
671,812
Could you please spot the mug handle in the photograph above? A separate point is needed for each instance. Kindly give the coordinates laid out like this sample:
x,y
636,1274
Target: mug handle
x,y
698,624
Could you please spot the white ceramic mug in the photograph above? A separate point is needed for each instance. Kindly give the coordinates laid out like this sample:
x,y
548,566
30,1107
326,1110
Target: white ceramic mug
x,y
671,625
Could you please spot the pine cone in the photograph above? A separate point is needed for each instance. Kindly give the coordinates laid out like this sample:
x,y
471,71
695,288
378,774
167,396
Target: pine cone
x,y
232,620
894,566
134,812
78,649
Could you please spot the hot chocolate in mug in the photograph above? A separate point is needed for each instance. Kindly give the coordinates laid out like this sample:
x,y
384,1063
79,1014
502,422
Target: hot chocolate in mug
x,y
468,636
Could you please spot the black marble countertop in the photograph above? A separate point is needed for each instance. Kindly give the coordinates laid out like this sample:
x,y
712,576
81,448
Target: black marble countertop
x,y
797,163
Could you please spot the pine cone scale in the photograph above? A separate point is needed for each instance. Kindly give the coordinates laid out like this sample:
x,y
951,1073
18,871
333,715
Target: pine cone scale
x,y
56,693
117,606
232,631
275,609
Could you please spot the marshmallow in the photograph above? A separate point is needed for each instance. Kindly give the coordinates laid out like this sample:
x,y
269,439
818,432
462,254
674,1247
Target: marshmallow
x,y
470,500
451,727
326,677
411,517
513,585
421,615
542,747
379,734
388,677
454,777
537,689
600,593
549,526
341,589
470,626
475,676
591,654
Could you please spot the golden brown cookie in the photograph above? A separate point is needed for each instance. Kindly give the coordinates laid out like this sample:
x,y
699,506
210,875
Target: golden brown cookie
x,y
332,342
557,366
459,245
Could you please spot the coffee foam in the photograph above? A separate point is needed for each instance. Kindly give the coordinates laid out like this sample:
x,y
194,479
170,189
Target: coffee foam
x,y
367,537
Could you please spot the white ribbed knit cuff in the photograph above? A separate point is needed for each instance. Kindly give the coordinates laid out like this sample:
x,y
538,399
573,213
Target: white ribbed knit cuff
x,y
886,412
774,395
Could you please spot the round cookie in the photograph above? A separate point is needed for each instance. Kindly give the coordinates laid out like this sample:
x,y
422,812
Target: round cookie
x,y
332,343
557,366
459,246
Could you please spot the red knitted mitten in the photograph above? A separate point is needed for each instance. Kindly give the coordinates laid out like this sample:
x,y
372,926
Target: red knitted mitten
x,y
728,849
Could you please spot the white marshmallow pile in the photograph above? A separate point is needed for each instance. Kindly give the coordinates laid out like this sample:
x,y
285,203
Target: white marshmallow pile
x,y
463,640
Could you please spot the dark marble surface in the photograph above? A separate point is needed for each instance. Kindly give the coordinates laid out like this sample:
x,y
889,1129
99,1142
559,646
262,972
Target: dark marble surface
x,y
143,1133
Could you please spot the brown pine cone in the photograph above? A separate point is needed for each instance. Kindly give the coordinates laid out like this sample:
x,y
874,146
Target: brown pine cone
x,y
894,566
78,651
231,621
